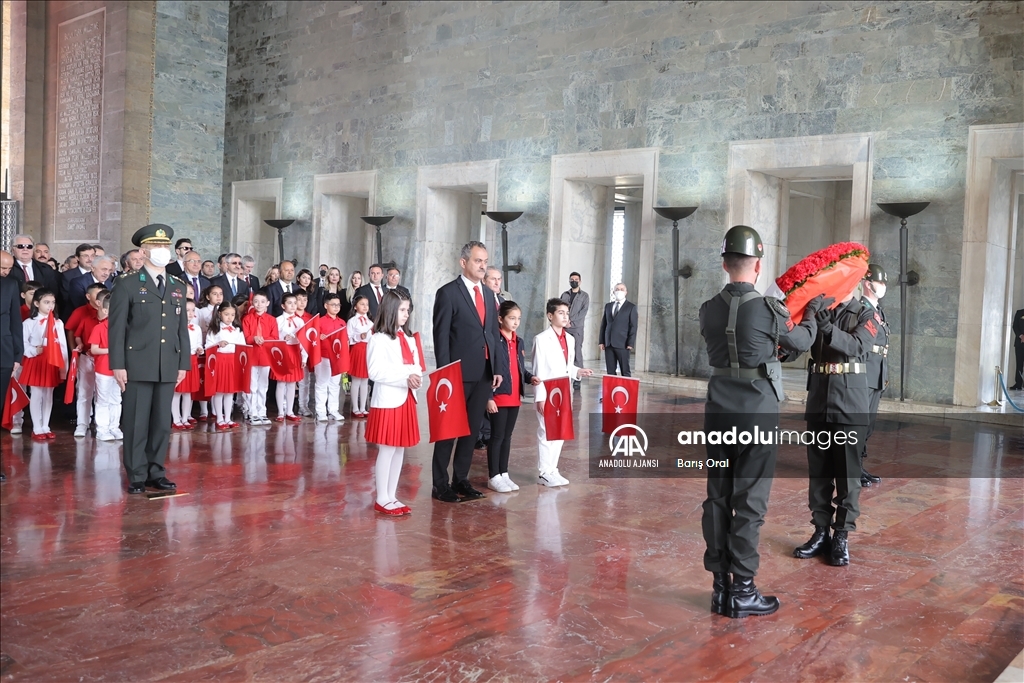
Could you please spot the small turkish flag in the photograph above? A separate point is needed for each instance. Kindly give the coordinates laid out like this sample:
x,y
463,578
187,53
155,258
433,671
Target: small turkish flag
x,y
309,339
16,401
335,347
446,404
558,410
210,372
284,358
69,390
243,353
620,398
53,355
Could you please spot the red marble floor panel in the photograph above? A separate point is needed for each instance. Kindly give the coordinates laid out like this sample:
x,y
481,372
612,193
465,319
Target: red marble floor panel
x,y
275,567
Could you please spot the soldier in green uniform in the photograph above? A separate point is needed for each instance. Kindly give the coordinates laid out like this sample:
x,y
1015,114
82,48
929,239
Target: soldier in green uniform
x,y
878,361
745,334
149,355
838,401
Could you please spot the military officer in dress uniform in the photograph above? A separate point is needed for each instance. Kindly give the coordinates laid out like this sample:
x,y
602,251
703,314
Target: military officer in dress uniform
x,y
149,355
838,403
744,333
873,288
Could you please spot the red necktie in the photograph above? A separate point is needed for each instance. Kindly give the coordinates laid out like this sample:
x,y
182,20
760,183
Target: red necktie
x,y
376,291
362,319
230,329
24,269
481,311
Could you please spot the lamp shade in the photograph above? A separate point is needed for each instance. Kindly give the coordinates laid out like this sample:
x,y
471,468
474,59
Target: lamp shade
x,y
377,220
674,213
503,217
279,223
903,209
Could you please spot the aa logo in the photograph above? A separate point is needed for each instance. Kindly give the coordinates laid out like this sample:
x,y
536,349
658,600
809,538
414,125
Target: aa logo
x,y
632,443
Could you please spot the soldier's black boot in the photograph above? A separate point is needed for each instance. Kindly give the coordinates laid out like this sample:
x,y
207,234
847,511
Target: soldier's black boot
x,y
746,601
839,556
866,478
720,592
817,545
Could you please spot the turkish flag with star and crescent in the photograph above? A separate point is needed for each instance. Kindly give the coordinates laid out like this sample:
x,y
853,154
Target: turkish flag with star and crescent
x,y
620,400
17,400
446,404
558,410
309,339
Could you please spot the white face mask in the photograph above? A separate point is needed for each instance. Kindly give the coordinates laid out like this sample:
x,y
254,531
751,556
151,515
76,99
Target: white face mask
x,y
160,256
619,295
879,290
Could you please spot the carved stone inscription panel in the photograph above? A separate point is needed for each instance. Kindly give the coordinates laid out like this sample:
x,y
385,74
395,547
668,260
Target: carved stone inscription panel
x,y
79,127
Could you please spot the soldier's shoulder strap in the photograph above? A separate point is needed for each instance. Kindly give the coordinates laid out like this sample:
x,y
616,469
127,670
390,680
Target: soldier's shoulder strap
x,y
176,278
735,301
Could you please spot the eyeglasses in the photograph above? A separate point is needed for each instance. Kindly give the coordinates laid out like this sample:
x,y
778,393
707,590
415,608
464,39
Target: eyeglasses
x,y
234,263
184,248
22,246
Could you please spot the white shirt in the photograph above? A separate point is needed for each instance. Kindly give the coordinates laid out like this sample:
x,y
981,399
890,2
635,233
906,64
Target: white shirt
x,y
357,326
549,362
378,291
286,287
472,287
21,266
203,317
33,333
195,336
388,372
232,337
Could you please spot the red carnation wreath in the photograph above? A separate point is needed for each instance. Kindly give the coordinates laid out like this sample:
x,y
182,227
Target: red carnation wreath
x,y
833,271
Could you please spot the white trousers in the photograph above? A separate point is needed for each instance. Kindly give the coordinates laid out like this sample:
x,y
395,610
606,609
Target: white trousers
x,y
85,385
259,380
304,391
285,398
328,390
547,451
360,390
40,405
386,471
108,404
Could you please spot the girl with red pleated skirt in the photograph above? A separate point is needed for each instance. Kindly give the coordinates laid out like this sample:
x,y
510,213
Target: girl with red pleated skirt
x,y
181,402
210,300
288,323
46,360
394,366
222,339
360,329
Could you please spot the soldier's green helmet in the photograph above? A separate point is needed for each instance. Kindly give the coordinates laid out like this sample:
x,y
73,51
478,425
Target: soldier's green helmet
x,y
742,239
876,273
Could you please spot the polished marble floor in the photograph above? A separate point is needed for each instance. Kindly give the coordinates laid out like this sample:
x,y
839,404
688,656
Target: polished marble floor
x,y
275,568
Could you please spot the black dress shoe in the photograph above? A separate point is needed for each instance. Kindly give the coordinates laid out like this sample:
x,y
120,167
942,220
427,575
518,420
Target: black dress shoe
x,y
746,601
839,556
1016,387
136,487
446,496
162,484
869,478
466,491
817,545
720,592
480,445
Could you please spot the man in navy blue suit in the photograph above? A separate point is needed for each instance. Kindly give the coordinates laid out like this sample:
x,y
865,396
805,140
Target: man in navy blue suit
x,y
102,271
465,329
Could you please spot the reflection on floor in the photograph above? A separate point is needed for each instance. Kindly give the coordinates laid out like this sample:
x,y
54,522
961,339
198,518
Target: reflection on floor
x,y
275,567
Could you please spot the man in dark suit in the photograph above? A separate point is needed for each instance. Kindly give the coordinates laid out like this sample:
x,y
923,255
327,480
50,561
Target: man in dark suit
x,y
285,284
374,289
465,329
85,254
11,341
26,269
192,275
248,263
233,281
394,279
182,247
149,355
102,272
618,331
1018,349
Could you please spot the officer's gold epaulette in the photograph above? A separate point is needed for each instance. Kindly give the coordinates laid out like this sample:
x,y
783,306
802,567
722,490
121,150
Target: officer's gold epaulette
x,y
176,278
128,272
